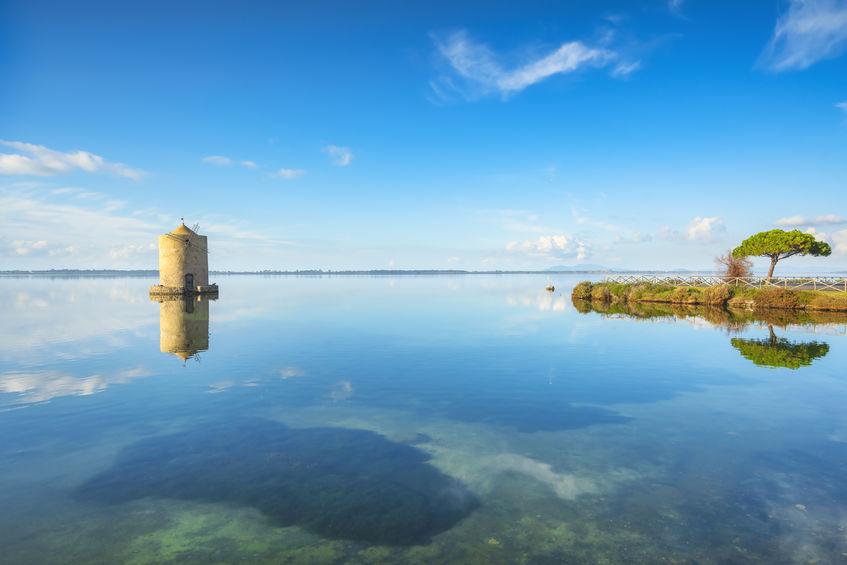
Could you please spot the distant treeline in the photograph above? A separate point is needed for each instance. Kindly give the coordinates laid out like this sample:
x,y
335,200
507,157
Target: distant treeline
x,y
314,272
85,273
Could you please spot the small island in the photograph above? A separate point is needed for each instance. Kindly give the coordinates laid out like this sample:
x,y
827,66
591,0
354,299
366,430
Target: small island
x,y
734,287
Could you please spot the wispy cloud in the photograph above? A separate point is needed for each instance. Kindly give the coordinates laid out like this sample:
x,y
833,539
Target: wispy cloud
x,y
482,73
341,156
623,70
553,247
222,161
636,237
40,161
580,218
93,233
842,106
514,220
289,174
797,221
808,32
218,160
675,7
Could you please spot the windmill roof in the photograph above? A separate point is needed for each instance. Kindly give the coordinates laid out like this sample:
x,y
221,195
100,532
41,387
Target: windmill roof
x,y
183,230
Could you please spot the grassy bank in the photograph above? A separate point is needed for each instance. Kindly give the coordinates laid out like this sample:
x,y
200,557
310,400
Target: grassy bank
x,y
719,295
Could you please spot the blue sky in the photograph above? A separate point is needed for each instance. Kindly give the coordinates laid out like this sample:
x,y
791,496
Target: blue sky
x,y
476,135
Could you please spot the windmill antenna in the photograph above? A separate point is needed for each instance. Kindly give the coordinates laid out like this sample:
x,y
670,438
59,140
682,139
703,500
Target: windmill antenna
x,y
195,227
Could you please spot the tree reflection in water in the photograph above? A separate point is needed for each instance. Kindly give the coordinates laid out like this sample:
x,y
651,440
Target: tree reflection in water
x,y
776,352
773,352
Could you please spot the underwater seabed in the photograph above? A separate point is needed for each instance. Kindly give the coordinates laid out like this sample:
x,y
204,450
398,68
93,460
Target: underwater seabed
x,y
547,497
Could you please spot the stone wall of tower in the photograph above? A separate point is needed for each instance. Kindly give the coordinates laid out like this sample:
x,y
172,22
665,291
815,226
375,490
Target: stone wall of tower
x,y
182,254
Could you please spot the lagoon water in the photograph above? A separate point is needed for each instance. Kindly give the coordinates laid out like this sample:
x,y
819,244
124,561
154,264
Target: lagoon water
x,y
431,419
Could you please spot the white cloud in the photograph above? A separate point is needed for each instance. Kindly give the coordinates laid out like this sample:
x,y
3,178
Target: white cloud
x,y
341,156
40,161
797,221
21,247
810,31
218,160
289,174
842,106
839,242
819,235
675,6
704,229
250,164
553,247
700,230
479,67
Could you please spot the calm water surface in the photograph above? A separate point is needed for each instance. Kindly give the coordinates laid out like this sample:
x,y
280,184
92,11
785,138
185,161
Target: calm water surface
x,y
474,419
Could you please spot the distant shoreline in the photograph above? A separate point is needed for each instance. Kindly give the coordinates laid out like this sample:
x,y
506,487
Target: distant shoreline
x,y
372,272
308,273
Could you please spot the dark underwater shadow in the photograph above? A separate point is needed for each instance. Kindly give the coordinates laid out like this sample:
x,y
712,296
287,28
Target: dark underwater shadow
x,y
335,482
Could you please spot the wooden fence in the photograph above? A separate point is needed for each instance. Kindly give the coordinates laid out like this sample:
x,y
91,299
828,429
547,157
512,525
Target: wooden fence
x,y
797,283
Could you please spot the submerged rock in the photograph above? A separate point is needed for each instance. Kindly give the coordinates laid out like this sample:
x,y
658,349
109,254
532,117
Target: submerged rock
x,y
335,482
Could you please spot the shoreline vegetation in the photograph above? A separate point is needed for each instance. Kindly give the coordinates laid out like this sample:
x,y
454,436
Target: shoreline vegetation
x,y
723,296
730,318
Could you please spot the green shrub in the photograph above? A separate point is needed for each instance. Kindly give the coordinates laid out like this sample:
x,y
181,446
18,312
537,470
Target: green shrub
x,y
824,300
717,294
582,290
619,290
601,292
776,298
686,295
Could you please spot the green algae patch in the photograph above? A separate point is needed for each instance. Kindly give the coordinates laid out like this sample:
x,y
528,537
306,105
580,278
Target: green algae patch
x,y
314,555
200,535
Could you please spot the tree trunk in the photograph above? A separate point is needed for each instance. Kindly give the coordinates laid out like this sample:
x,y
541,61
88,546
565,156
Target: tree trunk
x,y
773,264
773,335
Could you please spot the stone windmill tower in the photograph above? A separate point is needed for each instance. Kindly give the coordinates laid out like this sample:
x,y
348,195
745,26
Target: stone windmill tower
x,y
183,264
